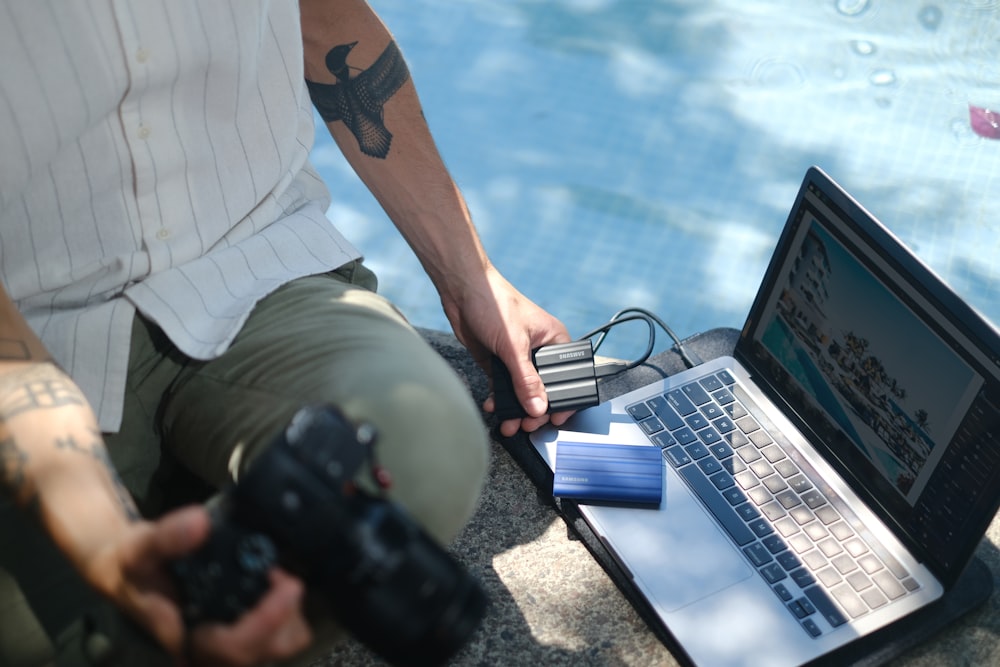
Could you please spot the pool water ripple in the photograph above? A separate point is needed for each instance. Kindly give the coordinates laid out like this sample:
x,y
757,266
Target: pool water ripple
x,y
646,153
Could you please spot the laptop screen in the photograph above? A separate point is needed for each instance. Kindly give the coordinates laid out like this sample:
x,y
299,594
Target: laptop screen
x,y
894,378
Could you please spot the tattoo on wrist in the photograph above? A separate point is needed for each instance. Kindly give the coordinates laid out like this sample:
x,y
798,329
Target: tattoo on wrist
x,y
37,389
359,100
44,387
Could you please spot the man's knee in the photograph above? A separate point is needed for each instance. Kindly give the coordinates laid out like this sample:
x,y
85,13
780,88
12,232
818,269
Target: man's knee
x,y
433,442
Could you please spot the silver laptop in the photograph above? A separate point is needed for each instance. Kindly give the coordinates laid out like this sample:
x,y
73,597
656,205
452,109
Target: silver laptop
x,y
835,474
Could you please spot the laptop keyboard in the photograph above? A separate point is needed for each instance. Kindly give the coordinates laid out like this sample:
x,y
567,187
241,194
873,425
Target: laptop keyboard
x,y
793,529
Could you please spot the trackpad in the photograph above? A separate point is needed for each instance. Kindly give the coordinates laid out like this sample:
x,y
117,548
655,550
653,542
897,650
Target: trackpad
x,y
677,554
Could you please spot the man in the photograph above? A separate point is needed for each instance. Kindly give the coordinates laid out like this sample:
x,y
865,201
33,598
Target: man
x,y
173,293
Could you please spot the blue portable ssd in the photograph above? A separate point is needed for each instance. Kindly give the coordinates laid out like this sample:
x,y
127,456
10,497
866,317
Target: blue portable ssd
x,y
592,472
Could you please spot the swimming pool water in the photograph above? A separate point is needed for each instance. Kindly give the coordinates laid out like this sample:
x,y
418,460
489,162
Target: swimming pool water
x,y
644,153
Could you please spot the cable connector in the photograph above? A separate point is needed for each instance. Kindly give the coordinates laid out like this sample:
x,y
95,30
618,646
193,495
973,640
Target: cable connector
x,y
567,371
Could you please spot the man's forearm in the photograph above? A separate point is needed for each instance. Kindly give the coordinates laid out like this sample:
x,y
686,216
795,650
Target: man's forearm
x,y
361,86
52,456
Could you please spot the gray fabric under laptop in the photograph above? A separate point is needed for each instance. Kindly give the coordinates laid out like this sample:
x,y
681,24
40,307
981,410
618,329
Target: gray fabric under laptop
x,y
834,475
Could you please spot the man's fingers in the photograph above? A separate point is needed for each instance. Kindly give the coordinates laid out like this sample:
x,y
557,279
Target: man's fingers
x,y
274,629
174,535
529,389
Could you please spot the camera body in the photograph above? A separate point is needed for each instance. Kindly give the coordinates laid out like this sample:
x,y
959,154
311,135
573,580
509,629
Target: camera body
x,y
297,505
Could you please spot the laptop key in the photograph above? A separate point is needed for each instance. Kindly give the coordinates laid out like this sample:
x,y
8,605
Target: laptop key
x,y
789,561
685,435
747,479
786,526
825,605
651,425
774,544
759,495
666,413
840,529
747,424
870,564
733,464
723,396
711,383
874,598
827,514
680,402
758,554
845,564
726,377
800,610
782,592
775,484
762,468
811,627
850,601
695,393
663,439
639,411
813,499
800,483
803,577
709,436
761,527
736,439
747,511
748,454
709,465
696,450
859,581
829,576
724,425
788,499
711,411
735,411
773,453
696,421
855,546
734,495
773,511
773,573
786,468
722,480
676,456
721,450
717,505
888,584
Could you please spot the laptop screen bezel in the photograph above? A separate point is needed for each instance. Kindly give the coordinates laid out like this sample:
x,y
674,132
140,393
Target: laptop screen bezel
x,y
856,470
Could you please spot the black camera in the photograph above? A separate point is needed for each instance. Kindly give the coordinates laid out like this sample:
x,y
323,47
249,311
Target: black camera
x,y
297,505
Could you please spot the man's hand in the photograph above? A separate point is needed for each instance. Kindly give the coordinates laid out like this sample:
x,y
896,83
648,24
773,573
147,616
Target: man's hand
x,y
53,463
132,571
492,317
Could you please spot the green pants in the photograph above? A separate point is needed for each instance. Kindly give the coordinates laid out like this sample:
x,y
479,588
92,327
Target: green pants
x,y
326,338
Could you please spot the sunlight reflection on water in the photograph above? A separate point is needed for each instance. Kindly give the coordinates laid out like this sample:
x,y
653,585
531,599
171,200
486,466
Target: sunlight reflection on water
x,y
646,153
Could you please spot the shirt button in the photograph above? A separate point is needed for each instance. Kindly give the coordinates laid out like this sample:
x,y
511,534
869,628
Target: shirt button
x,y
144,132
162,233
142,55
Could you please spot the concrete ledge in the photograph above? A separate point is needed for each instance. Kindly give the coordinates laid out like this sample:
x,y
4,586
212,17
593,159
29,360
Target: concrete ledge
x,y
553,604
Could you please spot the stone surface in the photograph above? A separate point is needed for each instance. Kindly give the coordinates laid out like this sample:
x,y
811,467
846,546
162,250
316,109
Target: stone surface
x,y
553,604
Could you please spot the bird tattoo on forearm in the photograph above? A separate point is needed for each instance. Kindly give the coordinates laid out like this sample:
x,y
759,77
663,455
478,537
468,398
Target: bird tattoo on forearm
x,y
358,101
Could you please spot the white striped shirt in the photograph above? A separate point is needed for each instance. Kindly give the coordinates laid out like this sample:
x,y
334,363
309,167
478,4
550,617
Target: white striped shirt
x,y
153,156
